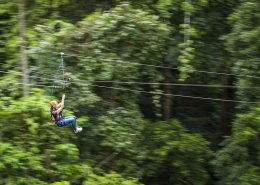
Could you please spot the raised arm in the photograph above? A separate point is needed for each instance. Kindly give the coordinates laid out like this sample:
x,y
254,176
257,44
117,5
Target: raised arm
x,y
58,106
61,105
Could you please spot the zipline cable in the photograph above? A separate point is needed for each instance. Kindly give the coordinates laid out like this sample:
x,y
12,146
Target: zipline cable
x,y
173,68
36,85
168,67
174,84
174,95
159,93
142,83
167,84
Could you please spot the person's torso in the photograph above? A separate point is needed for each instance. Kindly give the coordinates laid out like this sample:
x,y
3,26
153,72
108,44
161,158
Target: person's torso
x,y
56,117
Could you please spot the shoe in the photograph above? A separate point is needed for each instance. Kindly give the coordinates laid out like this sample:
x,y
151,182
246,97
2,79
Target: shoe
x,y
79,129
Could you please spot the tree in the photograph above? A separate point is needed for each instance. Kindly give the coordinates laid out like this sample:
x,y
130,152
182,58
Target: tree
x,y
33,150
238,161
109,42
23,55
243,44
107,179
167,154
7,31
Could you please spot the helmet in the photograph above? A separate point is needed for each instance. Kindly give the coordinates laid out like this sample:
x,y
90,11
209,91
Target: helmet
x,y
53,103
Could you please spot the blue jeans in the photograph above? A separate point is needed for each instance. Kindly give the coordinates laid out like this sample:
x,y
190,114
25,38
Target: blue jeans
x,y
68,120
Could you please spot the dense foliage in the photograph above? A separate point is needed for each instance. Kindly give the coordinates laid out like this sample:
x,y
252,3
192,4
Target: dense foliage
x,y
149,84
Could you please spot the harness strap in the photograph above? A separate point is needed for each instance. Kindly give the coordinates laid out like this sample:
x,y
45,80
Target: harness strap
x,y
55,117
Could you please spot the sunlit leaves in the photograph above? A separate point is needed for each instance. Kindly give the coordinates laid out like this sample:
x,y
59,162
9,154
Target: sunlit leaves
x,y
122,34
109,179
31,146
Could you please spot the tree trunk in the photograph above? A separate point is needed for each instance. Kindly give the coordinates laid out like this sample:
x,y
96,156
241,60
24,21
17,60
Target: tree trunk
x,y
228,108
23,55
187,21
167,100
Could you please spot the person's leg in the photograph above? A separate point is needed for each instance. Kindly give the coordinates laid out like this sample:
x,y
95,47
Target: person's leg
x,y
69,120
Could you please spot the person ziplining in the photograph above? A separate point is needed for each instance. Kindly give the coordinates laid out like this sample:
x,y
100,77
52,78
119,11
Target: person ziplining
x,y
58,118
56,109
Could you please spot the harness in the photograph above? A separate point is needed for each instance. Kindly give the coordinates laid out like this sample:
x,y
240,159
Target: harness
x,y
55,118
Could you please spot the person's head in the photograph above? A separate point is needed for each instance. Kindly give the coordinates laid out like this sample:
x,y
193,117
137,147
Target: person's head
x,y
53,103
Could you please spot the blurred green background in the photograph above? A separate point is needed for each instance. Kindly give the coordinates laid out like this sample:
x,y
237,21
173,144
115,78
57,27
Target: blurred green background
x,y
167,92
